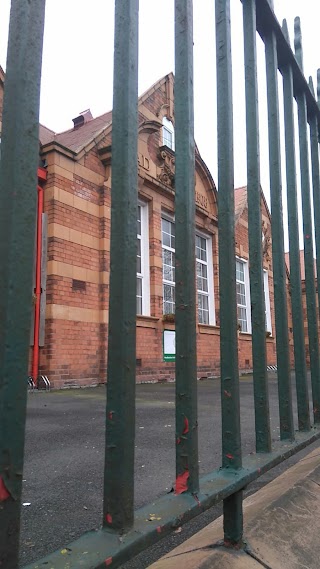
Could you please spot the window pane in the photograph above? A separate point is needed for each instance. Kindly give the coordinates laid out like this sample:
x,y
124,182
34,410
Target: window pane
x,y
139,296
239,271
167,137
203,302
139,256
202,277
203,309
201,248
242,319
168,299
168,259
168,234
166,239
139,221
198,269
168,265
139,268
241,294
165,225
168,273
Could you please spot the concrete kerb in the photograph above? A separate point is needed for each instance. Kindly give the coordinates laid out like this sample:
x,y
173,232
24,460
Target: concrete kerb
x,y
281,528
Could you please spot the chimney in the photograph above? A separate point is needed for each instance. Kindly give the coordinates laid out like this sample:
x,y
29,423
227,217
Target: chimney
x,y
83,117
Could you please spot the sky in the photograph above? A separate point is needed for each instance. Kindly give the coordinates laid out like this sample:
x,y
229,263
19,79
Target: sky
x,y
77,66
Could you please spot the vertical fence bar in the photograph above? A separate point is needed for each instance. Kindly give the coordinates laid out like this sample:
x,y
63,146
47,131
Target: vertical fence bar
x,y
314,147
295,273
187,469
18,194
307,233
120,412
230,397
261,396
308,256
279,273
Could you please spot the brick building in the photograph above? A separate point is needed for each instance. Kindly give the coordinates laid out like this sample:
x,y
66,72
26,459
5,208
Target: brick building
x,y
76,225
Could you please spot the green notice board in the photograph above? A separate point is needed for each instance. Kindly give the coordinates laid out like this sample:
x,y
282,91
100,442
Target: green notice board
x,y
169,345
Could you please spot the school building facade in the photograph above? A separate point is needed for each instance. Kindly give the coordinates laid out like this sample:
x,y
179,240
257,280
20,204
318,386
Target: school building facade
x,y
75,182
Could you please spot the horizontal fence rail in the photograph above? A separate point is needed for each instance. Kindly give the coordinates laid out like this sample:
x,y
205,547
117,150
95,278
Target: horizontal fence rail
x,y
126,532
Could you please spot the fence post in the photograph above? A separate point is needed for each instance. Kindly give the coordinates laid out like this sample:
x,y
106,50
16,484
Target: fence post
x,y
187,468
279,273
260,380
230,397
120,411
295,273
18,193
307,233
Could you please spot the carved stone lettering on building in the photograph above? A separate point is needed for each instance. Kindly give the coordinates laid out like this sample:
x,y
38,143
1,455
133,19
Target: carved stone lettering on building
x,y
143,161
201,200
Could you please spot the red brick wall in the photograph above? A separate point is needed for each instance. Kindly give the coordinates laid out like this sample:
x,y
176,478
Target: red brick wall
x,y
71,355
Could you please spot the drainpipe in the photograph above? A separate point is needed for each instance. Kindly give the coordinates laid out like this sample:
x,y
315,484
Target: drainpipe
x,y
42,175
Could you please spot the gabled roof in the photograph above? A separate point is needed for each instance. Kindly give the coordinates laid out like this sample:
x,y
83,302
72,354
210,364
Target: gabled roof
x,y
302,265
45,134
241,202
75,139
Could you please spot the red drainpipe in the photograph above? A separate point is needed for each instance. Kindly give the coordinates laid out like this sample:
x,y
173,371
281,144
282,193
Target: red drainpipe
x,y
42,176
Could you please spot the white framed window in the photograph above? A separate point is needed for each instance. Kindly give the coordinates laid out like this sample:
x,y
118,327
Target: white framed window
x,y
168,265
243,295
267,301
167,133
204,272
143,272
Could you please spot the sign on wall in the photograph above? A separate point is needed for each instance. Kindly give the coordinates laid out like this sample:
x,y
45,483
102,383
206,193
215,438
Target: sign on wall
x,y
169,345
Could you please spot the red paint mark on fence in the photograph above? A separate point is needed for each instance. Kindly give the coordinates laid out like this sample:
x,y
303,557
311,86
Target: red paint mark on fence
x,y
4,494
159,529
182,482
108,561
230,456
186,426
178,441
110,415
109,518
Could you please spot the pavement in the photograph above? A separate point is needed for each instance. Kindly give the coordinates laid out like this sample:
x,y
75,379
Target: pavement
x,y
64,460
281,528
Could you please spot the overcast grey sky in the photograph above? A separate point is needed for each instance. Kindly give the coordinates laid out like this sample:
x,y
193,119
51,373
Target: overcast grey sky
x,y
78,64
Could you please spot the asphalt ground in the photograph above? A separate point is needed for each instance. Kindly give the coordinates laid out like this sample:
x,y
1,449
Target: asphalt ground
x,y
64,460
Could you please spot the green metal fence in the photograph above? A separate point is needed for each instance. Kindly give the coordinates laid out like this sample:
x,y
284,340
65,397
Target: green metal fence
x,y
125,532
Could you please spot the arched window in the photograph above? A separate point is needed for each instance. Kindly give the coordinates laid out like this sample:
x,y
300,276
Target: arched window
x,y
167,133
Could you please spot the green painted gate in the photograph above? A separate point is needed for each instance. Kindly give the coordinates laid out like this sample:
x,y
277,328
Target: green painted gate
x,y
125,532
